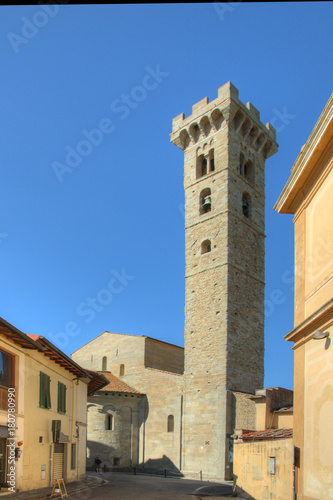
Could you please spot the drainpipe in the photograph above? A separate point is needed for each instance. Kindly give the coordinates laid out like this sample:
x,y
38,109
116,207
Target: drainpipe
x,y
144,432
50,465
77,453
294,473
181,433
73,406
131,438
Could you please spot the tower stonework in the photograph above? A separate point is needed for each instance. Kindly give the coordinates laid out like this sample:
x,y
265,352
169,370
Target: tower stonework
x,y
225,147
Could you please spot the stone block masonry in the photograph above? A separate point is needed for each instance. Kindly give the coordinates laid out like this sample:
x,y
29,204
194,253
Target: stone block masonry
x,y
225,147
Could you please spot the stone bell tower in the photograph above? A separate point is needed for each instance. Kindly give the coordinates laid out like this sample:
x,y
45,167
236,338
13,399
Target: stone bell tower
x,y
225,147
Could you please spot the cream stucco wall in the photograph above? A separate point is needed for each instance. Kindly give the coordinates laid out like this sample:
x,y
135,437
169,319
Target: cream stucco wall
x,y
34,424
252,469
284,421
318,421
314,240
38,422
319,246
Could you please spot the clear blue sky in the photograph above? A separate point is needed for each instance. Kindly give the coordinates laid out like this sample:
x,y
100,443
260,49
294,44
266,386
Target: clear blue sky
x,y
69,224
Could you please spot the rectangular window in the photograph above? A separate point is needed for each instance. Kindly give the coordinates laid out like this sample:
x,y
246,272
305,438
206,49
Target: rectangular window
x,y
272,465
6,370
44,391
73,456
61,398
6,378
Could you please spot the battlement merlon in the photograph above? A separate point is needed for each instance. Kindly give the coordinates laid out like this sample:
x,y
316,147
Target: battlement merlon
x,y
209,116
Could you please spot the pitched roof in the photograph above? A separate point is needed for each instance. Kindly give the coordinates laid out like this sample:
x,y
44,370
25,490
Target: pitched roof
x,y
19,337
59,357
96,380
128,335
117,385
29,341
268,434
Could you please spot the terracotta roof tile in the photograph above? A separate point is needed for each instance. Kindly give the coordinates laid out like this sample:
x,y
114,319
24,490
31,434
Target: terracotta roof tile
x,y
284,409
117,385
33,337
17,336
268,434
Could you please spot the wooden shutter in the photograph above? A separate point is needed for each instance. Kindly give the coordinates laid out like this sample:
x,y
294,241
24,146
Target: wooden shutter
x,y
58,461
61,398
41,389
44,391
48,394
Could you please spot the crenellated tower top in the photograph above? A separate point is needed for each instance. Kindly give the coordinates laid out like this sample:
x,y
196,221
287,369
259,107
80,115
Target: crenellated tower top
x,y
208,117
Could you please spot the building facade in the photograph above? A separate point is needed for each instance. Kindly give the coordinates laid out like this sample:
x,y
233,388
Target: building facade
x,y
43,411
263,465
308,195
136,420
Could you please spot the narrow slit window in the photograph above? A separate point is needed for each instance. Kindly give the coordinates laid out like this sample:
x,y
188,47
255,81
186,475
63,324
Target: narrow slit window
x,y
109,422
246,205
73,456
171,423
241,164
211,161
104,363
121,370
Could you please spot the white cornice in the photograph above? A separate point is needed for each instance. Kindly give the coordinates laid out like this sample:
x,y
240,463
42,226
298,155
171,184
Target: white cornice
x,y
317,135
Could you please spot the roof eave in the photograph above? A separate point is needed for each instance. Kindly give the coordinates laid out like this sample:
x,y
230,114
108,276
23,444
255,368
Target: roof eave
x,y
302,168
19,337
67,360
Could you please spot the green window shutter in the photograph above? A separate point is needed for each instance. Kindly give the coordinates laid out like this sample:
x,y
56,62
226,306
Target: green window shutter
x,y
61,398
44,391
48,394
41,389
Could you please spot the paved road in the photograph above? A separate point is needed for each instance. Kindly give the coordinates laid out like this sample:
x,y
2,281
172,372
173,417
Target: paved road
x,y
143,487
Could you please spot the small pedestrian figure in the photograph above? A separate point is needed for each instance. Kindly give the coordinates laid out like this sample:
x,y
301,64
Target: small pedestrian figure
x,y
97,464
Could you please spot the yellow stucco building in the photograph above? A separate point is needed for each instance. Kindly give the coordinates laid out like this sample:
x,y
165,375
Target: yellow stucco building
x,y
43,400
263,457
308,195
